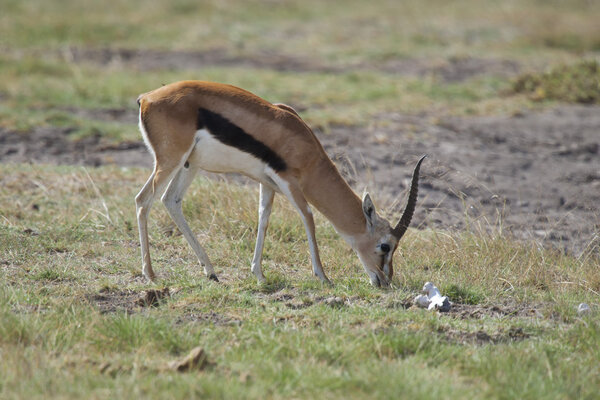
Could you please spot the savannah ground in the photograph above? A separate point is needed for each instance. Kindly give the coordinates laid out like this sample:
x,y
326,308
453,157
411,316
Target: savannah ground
x,y
501,96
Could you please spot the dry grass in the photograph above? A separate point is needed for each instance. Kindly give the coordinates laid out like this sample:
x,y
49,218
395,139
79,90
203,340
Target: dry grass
x,y
71,327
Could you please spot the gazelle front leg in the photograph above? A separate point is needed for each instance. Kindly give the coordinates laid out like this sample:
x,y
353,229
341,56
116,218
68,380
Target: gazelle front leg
x,y
264,212
295,196
172,200
309,225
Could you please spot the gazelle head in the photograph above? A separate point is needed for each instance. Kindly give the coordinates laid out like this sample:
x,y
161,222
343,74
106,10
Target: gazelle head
x,y
376,247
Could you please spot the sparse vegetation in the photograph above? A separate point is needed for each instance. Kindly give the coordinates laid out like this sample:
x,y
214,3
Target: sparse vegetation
x,y
578,83
72,324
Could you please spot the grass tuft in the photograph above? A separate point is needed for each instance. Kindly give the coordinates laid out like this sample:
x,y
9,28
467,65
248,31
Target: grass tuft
x,y
577,83
463,294
48,275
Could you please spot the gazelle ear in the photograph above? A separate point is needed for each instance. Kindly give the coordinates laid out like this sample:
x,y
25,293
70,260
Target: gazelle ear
x,y
368,209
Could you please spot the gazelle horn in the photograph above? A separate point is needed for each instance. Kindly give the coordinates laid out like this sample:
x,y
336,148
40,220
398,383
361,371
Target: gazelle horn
x,y
402,225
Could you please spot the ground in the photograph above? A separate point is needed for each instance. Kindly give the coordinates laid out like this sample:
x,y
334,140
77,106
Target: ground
x,y
534,175
501,96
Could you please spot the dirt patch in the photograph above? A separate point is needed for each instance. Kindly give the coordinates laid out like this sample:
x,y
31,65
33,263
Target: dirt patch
x,y
208,318
481,337
476,311
110,301
128,301
53,145
454,69
148,60
536,175
153,297
299,304
295,300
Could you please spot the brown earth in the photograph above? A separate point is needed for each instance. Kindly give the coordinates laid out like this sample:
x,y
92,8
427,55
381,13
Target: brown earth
x,y
131,302
454,69
535,175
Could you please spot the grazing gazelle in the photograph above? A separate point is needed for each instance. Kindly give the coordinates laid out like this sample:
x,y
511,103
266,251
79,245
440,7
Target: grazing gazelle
x,y
220,128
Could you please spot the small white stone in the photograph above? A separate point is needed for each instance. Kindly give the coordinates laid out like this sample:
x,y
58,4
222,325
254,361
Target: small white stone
x,y
583,308
442,304
432,299
422,301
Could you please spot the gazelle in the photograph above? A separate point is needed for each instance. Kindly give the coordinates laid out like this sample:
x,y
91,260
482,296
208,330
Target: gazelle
x,y
192,125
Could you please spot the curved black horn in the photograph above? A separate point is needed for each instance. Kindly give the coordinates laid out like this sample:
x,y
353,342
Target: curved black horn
x,y
402,225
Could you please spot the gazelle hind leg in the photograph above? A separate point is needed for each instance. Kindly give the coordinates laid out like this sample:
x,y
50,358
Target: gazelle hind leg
x,y
295,196
156,184
264,212
172,199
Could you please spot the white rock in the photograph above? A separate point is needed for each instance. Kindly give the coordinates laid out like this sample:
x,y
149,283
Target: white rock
x,y
583,308
422,301
442,304
432,299
430,290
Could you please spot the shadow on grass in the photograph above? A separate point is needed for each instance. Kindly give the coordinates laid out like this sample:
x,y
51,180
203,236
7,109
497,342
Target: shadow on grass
x,y
274,283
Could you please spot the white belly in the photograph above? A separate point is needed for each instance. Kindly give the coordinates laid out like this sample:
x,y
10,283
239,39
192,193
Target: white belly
x,y
214,156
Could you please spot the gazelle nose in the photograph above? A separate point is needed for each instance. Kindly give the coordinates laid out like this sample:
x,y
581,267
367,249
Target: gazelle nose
x,y
385,247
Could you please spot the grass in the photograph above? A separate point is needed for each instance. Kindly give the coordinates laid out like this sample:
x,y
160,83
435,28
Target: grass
x,y
328,31
41,82
34,97
70,328
578,83
70,274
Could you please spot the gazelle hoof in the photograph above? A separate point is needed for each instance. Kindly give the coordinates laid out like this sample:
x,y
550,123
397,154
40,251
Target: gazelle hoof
x,y
150,277
327,282
213,277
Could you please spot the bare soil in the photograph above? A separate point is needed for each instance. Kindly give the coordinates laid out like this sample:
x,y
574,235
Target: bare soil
x,y
447,70
131,302
481,337
534,175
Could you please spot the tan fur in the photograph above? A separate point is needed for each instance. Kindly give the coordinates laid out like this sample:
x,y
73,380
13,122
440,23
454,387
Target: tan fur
x,y
172,111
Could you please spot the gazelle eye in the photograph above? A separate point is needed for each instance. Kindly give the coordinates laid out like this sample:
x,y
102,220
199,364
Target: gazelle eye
x,y
385,247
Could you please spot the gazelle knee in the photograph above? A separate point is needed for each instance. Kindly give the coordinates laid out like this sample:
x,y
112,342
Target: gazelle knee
x,y
172,198
142,206
170,201
144,198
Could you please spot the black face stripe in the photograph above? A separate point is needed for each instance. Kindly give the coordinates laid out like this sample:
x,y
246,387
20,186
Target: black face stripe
x,y
232,135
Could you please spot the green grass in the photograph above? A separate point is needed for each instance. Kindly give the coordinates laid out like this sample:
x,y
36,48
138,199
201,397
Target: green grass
x,y
34,97
40,82
63,259
326,30
70,270
578,83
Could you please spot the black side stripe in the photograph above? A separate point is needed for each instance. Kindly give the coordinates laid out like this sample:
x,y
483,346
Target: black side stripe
x,y
232,135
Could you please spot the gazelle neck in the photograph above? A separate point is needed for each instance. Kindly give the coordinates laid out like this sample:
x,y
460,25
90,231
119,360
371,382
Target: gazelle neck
x,y
329,193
